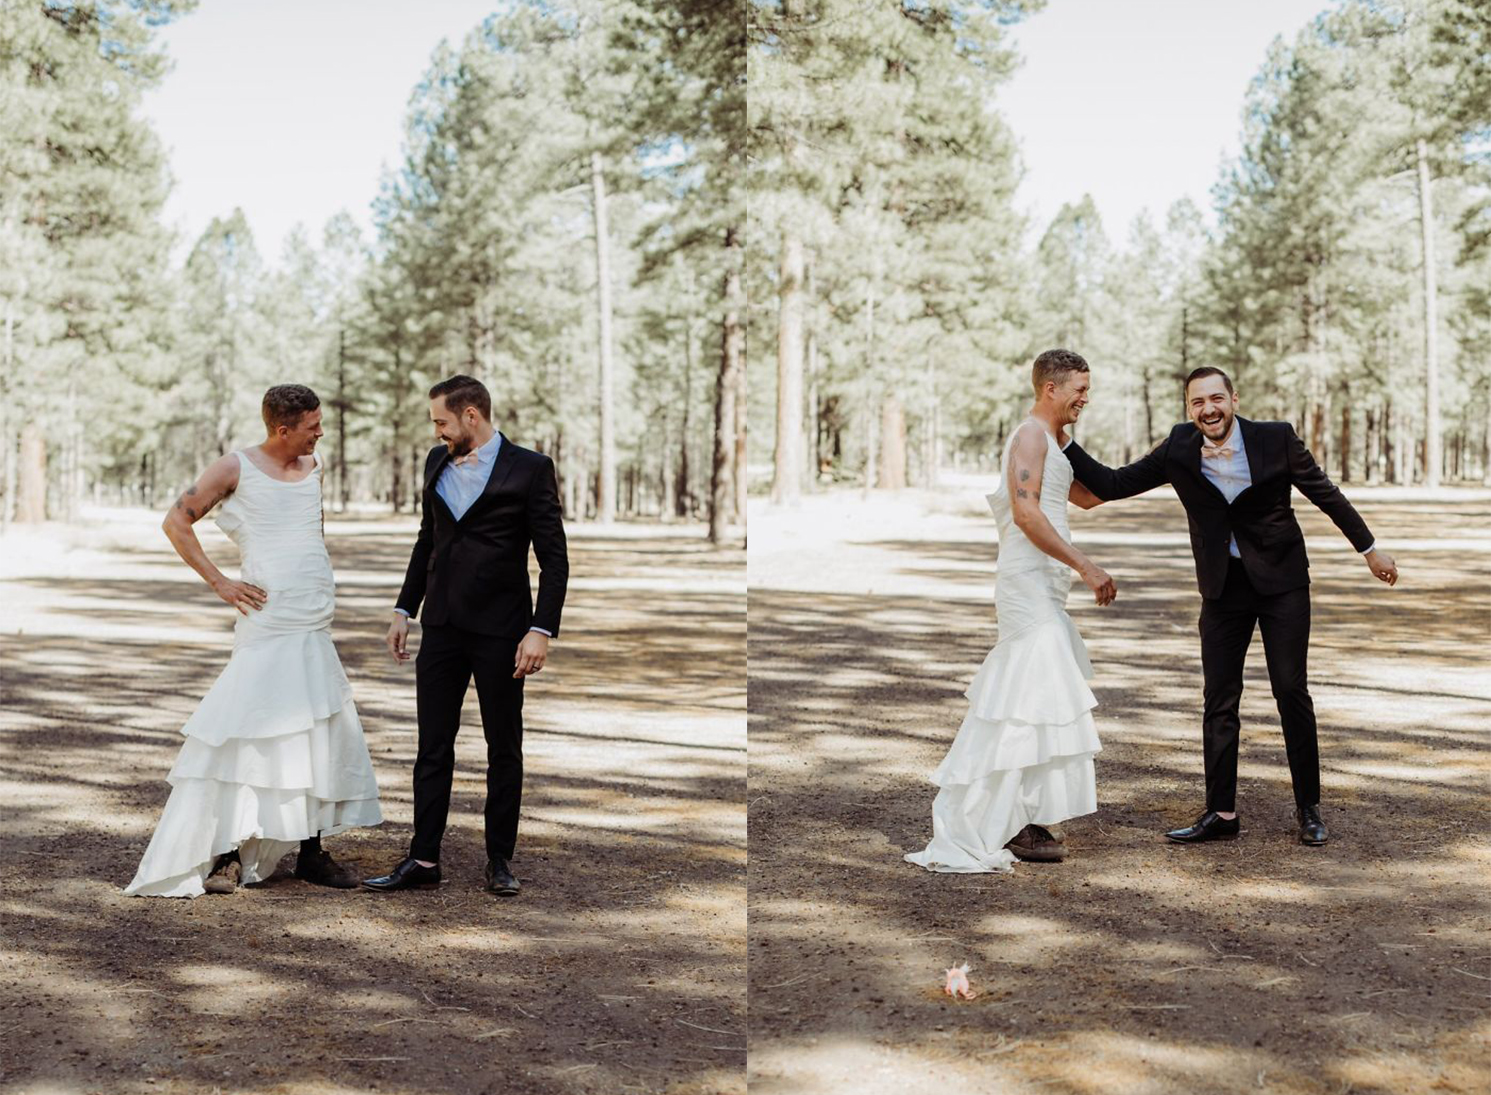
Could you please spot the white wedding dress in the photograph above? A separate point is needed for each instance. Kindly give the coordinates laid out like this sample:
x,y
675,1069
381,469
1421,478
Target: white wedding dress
x,y
274,753
1024,754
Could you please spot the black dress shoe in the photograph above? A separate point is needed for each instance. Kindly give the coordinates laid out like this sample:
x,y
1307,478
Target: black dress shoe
x,y
408,875
319,869
1209,826
500,880
1311,829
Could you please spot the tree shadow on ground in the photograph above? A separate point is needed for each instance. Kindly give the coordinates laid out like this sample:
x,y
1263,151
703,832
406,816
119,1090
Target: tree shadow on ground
x,y
619,968
1135,966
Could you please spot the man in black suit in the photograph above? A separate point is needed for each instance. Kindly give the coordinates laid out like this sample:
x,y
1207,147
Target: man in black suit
x,y
485,500
1234,477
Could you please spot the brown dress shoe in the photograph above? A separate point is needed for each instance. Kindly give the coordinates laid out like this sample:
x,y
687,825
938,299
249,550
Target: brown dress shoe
x,y
1035,844
225,875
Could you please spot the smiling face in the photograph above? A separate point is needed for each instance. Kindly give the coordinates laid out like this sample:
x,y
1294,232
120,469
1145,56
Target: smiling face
x,y
1211,406
301,438
1070,396
456,430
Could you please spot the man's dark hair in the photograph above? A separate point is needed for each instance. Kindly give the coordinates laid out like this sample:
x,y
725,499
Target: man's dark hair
x,y
1053,366
1206,370
461,392
284,404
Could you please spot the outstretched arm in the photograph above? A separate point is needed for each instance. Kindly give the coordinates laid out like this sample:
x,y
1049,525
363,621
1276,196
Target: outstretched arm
x,y
1315,485
1108,484
212,486
1024,476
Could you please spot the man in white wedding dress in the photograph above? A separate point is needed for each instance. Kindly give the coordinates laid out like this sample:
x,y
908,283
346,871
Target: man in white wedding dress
x,y
274,755
1022,760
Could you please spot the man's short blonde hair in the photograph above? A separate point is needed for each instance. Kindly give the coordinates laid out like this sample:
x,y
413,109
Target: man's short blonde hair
x,y
1054,366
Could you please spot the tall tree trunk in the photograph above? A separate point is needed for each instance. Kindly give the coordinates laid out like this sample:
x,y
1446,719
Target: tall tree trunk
x,y
933,458
893,430
682,494
1345,435
786,484
342,494
870,403
31,503
71,479
732,339
607,500
1486,446
812,402
742,485
1433,456
8,417
1149,405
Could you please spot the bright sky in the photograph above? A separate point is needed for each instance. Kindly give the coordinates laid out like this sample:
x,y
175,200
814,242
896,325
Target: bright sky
x,y
291,109
1136,102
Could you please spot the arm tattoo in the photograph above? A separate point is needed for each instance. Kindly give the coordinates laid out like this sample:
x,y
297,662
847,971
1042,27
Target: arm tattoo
x,y
1024,474
1022,492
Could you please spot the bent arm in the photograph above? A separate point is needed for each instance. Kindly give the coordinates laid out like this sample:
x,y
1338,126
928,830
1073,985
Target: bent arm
x,y
546,528
1083,498
1024,477
212,486
1315,485
412,593
1108,484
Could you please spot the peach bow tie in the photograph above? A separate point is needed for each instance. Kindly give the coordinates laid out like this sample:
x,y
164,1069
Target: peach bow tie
x,y
1217,452
470,458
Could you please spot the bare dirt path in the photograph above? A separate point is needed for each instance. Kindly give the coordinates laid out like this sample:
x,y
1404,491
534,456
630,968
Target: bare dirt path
x,y
620,968
1135,968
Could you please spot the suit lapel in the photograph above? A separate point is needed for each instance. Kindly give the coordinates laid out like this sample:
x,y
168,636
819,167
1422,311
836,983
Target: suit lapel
x,y
507,456
1192,453
434,476
1252,439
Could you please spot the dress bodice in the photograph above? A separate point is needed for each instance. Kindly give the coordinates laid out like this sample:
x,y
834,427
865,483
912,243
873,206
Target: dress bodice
x,y
1016,552
277,527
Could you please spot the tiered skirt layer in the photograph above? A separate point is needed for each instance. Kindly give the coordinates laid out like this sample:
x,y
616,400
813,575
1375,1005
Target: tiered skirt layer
x,y
274,754
1024,752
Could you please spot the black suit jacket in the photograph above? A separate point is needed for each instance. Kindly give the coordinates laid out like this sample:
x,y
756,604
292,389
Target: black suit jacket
x,y
473,573
1268,536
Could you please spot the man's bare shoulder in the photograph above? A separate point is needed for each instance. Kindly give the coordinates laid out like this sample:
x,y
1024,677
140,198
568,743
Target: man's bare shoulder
x,y
222,472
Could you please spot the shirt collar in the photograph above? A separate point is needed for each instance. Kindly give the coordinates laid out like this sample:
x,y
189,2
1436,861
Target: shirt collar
x,y
488,452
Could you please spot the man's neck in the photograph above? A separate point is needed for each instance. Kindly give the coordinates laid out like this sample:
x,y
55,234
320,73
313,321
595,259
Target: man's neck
x,y
477,440
1048,417
279,453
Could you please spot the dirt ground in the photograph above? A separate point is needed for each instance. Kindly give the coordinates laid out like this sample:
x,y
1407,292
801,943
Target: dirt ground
x,y
620,967
1135,967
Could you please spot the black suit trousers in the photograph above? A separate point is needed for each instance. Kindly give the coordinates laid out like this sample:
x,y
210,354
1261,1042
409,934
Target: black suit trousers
x,y
1227,624
448,659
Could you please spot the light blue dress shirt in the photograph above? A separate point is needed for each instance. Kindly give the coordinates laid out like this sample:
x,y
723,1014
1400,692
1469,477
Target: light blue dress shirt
x,y
460,485
1230,475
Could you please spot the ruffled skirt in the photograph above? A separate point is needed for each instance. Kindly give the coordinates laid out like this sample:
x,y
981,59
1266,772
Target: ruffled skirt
x,y
1024,753
274,754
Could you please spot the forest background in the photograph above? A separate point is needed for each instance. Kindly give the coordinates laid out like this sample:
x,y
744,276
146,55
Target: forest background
x,y
1342,278
566,223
